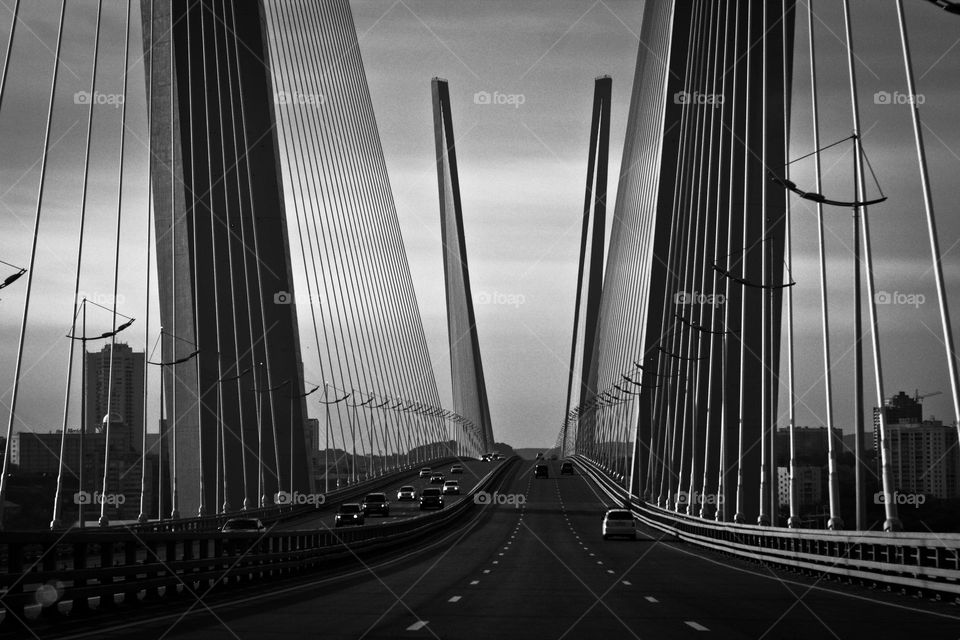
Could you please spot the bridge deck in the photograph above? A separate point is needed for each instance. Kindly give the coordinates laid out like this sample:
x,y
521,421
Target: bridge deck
x,y
542,570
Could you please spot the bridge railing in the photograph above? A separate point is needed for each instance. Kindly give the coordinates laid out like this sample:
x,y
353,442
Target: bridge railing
x,y
927,563
278,513
101,570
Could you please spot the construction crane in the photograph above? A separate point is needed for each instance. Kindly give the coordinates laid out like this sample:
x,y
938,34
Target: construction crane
x,y
917,397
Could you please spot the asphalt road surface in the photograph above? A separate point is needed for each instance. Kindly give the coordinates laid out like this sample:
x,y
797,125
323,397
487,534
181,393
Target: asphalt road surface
x,y
542,570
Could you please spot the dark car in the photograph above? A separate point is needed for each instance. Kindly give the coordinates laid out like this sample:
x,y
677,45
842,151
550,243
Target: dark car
x,y
248,525
425,472
456,469
566,468
349,513
376,503
430,498
436,478
541,471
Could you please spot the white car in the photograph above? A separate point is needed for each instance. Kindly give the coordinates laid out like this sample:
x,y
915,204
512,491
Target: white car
x,y
407,492
619,522
451,488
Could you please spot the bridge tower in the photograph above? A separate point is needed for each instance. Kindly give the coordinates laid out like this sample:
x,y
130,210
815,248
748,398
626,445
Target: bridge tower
x,y
225,285
707,123
466,368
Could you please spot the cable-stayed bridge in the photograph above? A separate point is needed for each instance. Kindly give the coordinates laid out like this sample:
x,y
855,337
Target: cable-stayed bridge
x,y
227,213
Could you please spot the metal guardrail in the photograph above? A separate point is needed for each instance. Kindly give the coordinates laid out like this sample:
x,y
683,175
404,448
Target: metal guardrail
x,y
927,563
276,513
146,566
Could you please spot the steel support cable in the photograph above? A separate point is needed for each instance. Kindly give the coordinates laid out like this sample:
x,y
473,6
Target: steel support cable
x,y
935,254
371,232
211,208
300,198
104,521
223,62
191,199
148,279
307,206
255,233
636,287
299,210
364,369
358,294
294,75
174,380
722,514
793,520
232,66
675,480
715,377
763,517
626,276
701,242
6,58
685,203
683,339
739,516
891,522
337,303
678,224
33,256
711,235
354,427
55,522
658,457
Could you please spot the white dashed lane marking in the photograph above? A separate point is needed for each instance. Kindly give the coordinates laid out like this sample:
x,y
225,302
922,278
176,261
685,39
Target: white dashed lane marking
x,y
454,599
627,583
696,625
651,599
473,582
420,624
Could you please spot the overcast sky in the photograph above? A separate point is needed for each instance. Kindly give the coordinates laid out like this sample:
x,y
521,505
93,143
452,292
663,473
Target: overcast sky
x,y
522,172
